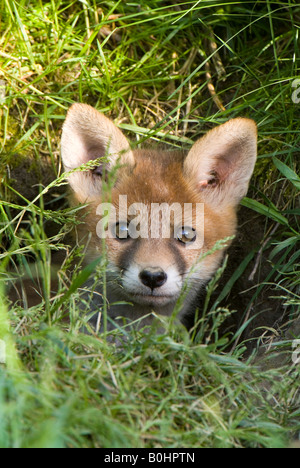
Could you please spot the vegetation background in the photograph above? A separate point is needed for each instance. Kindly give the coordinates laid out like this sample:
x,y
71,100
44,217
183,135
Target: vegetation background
x,y
164,71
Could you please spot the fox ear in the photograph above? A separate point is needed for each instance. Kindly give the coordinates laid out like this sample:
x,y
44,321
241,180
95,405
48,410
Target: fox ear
x,y
88,135
221,163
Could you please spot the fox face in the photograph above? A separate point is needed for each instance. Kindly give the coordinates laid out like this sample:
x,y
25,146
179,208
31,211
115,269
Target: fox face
x,y
165,210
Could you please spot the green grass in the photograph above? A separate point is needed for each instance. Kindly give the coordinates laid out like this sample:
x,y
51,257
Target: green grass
x,y
145,65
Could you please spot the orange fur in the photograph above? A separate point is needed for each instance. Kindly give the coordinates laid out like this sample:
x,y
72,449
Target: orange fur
x,y
150,272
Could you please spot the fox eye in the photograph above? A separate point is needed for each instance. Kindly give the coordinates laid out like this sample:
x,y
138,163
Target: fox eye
x,y
186,235
121,231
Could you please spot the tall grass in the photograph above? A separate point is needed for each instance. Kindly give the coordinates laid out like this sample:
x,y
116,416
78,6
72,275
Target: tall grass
x,y
165,71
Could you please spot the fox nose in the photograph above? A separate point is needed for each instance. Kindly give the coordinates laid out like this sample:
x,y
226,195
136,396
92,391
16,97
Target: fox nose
x,y
153,277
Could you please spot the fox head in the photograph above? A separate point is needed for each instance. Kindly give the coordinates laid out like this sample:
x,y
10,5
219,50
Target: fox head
x,y
155,238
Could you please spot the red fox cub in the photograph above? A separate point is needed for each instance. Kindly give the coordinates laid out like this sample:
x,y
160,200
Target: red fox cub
x,y
164,213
